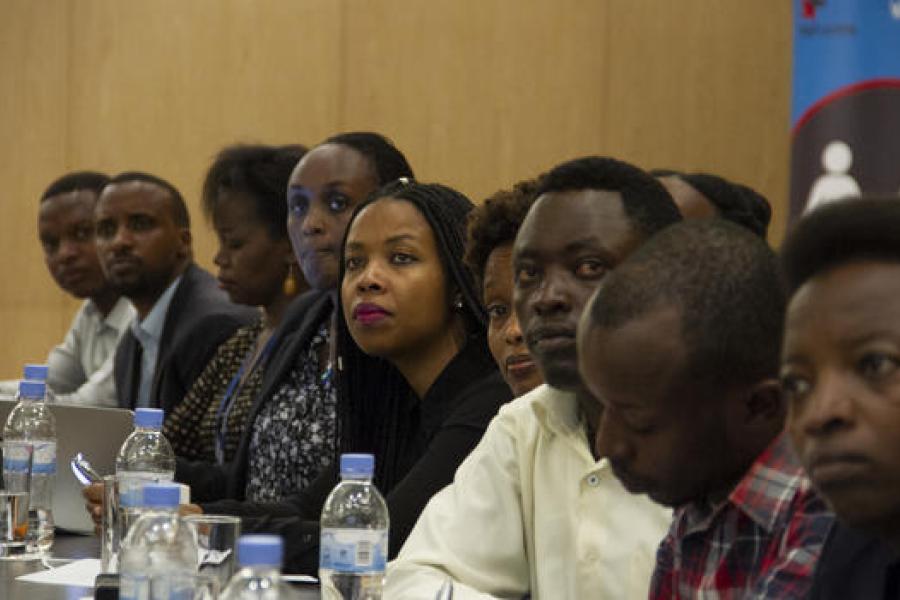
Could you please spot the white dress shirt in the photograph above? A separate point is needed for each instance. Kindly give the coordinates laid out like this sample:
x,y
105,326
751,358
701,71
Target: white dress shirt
x,y
531,511
148,333
80,370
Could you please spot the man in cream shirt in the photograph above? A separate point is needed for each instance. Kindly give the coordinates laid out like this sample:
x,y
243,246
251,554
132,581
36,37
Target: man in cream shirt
x,y
531,510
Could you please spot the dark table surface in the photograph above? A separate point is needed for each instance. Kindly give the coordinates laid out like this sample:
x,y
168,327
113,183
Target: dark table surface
x,y
69,547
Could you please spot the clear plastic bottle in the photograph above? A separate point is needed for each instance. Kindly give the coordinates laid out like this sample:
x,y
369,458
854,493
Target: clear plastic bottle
x,y
145,456
354,538
32,422
260,575
159,545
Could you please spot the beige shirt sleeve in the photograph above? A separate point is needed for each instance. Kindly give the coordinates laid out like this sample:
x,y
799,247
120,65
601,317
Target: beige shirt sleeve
x,y
471,531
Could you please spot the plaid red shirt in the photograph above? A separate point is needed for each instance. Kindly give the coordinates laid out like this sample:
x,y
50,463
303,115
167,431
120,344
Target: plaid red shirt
x,y
762,542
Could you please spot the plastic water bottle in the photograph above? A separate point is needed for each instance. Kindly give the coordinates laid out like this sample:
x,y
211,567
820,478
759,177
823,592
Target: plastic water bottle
x,y
159,547
145,456
260,575
354,536
32,422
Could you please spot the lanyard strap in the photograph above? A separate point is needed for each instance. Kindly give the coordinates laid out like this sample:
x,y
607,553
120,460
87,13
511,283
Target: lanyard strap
x,y
228,399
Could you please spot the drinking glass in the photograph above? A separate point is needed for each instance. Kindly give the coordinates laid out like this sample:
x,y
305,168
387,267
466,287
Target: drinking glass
x,y
14,499
181,586
216,537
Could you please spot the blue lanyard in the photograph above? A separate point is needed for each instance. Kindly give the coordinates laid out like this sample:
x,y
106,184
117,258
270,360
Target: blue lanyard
x,y
229,397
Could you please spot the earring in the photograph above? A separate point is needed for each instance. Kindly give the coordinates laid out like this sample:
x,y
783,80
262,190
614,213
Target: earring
x,y
290,282
458,302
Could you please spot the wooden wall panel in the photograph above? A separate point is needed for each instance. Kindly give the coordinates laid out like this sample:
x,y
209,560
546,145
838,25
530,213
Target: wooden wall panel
x,y
697,85
478,93
33,106
163,85
481,92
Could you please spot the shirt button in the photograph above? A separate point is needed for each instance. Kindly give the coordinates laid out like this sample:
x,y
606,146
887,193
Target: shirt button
x,y
593,480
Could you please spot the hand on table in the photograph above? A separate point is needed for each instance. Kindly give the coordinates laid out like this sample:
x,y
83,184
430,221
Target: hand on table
x,y
93,496
189,509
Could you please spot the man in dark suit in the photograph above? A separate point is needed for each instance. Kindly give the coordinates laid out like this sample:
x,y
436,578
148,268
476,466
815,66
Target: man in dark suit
x,y
144,242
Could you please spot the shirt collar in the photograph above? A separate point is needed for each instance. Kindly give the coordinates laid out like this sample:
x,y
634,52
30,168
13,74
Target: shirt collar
x,y
556,410
558,413
770,484
121,315
764,492
152,325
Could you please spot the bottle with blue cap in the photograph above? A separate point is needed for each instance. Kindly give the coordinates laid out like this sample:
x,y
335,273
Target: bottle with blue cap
x,y
39,372
160,547
259,577
145,456
353,546
31,423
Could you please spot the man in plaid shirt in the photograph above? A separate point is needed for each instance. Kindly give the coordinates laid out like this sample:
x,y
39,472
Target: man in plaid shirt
x,y
681,344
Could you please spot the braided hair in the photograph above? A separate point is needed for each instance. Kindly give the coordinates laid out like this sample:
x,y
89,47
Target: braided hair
x,y
373,394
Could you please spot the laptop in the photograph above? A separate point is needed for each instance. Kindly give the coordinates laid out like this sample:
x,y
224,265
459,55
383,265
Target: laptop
x,y
98,433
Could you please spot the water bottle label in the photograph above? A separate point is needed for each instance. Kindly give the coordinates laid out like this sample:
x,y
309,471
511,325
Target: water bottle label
x,y
353,550
44,458
15,457
131,486
131,491
131,586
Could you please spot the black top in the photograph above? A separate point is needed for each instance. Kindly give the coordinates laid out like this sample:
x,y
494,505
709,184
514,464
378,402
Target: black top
x,y
855,565
302,320
450,422
199,319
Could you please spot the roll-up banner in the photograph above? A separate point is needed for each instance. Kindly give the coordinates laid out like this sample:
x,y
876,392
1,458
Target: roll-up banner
x,y
845,115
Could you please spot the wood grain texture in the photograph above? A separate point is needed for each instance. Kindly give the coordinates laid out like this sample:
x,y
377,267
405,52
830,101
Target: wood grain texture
x,y
478,93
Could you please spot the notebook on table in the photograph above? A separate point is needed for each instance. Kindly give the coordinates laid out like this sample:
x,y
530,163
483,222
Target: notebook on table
x,y
98,433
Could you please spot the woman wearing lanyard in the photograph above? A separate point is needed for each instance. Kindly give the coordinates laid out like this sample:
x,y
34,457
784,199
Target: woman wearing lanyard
x,y
289,434
415,380
289,437
243,196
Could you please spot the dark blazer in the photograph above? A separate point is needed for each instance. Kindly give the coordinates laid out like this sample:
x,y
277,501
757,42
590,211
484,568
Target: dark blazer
x,y
301,322
856,566
200,317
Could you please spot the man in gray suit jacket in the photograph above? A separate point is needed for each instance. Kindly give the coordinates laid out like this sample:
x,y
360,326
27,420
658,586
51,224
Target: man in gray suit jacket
x,y
144,242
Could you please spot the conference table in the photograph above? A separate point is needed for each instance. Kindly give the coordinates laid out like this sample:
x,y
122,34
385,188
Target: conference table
x,y
70,547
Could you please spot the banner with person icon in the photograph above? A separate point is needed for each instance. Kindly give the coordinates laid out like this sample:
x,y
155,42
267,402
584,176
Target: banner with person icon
x,y
846,106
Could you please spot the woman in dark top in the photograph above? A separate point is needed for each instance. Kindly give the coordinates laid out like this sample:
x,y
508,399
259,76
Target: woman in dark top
x,y
290,436
417,383
243,196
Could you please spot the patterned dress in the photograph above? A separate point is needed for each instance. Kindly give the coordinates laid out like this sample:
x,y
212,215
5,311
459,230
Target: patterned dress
x,y
293,436
191,428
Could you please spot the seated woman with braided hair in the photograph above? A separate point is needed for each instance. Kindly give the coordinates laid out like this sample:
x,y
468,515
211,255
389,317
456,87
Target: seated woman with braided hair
x,y
416,383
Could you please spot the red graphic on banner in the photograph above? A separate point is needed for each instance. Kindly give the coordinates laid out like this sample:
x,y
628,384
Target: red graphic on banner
x,y
810,6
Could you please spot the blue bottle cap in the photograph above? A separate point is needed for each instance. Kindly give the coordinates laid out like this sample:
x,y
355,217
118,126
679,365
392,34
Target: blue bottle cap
x,y
151,418
260,550
35,372
32,389
357,465
161,495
